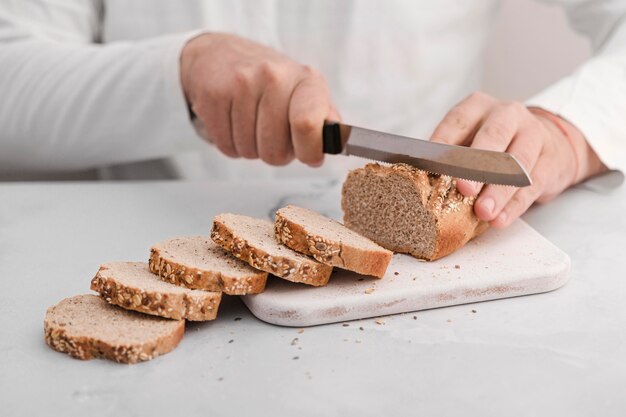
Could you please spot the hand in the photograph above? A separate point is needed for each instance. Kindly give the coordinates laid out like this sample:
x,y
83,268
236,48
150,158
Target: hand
x,y
553,160
255,102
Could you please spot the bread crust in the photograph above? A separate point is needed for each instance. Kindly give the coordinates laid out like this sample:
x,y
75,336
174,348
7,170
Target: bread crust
x,y
60,339
308,272
456,223
198,306
331,252
187,276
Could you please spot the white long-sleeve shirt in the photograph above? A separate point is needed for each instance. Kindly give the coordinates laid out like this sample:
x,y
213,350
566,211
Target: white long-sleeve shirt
x,y
88,83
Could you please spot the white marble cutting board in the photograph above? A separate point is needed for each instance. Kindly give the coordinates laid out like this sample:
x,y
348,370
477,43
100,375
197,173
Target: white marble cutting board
x,y
498,264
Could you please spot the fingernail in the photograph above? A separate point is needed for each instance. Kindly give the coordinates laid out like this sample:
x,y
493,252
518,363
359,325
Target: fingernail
x,y
489,204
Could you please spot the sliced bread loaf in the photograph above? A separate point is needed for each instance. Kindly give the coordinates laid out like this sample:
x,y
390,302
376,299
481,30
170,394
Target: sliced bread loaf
x,y
329,241
198,263
410,211
87,327
253,241
132,286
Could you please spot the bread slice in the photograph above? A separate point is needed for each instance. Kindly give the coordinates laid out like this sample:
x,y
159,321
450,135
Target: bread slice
x,y
253,241
329,241
132,286
87,327
198,263
410,211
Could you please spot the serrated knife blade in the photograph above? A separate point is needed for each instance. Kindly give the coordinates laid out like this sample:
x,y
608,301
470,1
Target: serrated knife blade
x,y
456,161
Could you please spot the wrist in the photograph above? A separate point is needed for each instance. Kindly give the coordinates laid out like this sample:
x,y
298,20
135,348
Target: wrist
x,y
188,56
586,162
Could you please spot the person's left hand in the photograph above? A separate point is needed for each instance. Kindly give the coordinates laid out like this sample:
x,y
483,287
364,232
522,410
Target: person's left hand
x,y
554,160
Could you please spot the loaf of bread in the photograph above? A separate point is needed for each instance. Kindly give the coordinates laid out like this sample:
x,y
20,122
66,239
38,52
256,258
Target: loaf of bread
x,y
198,263
329,241
132,286
253,241
407,210
86,327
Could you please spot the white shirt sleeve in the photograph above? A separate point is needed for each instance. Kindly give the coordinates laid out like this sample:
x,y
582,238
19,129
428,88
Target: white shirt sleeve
x,y
593,98
69,103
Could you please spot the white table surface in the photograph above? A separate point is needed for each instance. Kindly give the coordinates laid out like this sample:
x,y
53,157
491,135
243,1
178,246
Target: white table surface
x,y
553,354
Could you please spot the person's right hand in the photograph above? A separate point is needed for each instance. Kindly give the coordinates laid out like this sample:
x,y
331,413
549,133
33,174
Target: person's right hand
x,y
255,102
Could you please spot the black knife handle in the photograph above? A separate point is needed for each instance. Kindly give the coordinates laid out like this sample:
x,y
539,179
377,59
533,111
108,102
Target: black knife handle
x,y
332,138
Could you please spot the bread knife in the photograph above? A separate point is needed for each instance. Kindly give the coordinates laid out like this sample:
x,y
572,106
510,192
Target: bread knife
x,y
473,164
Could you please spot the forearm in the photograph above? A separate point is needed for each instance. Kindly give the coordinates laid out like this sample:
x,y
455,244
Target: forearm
x,y
592,100
73,106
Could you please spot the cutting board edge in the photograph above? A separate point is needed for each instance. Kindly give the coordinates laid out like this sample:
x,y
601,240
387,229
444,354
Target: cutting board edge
x,y
292,316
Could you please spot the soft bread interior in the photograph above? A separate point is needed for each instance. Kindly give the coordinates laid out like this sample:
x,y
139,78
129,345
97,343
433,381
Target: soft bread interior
x,y
389,210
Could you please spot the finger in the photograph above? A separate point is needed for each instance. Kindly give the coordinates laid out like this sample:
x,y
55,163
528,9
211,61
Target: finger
x,y
526,147
215,115
495,134
243,115
461,122
272,126
310,105
524,197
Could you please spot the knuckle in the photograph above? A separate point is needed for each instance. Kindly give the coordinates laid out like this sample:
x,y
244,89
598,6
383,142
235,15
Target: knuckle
x,y
271,72
310,72
479,96
242,79
520,202
515,108
309,158
217,94
276,158
245,149
496,131
248,154
226,149
305,126
538,185
524,158
457,118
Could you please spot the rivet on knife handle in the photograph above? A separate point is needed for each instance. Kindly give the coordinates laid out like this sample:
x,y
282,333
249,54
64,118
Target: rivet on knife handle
x,y
332,138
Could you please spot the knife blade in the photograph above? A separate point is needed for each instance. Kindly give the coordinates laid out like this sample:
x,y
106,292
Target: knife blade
x,y
480,165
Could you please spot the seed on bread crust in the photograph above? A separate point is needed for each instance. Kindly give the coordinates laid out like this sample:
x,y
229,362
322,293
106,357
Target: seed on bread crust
x,y
198,263
252,240
87,327
329,241
409,211
131,285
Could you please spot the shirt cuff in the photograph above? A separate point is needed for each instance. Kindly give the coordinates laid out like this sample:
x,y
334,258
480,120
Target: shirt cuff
x,y
178,122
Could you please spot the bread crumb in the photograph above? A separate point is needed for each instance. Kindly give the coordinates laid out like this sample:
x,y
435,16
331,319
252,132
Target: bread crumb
x,y
474,311
231,341
396,273
449,321
414,317
457,266
237,318
345,325
369,290
300,331
294,341
379,321
361,328
295,358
